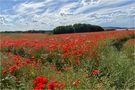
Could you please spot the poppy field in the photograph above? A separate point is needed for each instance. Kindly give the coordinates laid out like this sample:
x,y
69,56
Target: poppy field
x,y
80,61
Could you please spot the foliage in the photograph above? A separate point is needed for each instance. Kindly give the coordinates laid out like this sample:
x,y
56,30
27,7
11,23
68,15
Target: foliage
x,y
76,28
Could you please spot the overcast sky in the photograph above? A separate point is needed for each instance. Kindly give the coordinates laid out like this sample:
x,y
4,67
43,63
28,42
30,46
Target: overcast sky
x,y
47,14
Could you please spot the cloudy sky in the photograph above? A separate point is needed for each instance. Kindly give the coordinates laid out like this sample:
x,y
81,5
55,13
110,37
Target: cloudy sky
x,y
47,14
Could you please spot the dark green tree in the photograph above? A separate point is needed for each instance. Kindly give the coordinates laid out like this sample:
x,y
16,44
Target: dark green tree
x,y
77,28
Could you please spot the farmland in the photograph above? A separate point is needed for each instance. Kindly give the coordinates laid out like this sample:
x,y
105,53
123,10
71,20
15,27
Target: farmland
x,y
80,61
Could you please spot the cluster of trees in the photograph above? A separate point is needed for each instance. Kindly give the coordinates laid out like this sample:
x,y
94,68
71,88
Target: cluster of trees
x,y
76,28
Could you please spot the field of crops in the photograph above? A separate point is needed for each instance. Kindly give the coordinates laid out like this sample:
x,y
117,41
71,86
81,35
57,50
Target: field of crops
x,y
81,61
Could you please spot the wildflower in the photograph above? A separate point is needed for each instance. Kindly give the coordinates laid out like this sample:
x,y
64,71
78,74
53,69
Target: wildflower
x,y
12,69
33,57
65,48
65,54
95,72
75,84
31,51
62,85
4,59
8,64
68,69
40,79
79,55
28,61
4,71
94,53
39,82
23,63
16,59
35,65
59,72
45,80
17,63
40,86
52,85
39,61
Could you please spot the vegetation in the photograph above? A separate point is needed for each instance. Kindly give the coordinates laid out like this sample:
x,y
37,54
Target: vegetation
x,y
86,61
29,31
77,28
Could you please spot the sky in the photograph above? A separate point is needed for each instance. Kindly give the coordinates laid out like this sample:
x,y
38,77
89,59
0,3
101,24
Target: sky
x,y
21,15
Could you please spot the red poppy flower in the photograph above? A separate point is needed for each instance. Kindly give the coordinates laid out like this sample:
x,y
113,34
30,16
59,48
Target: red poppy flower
x,y
52,85
28,61
62,85
40,86
4,71
95,72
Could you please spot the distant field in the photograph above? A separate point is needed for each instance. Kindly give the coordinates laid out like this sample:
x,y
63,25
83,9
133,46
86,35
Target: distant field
x,y
79,61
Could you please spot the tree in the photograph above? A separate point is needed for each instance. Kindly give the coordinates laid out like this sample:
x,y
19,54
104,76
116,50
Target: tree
x,y
76,28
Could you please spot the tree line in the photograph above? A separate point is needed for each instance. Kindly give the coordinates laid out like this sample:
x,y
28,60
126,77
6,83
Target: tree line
x,y
29,31
77,28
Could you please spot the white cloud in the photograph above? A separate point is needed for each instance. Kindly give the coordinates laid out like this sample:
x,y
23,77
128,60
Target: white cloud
x,y
28,7
48,14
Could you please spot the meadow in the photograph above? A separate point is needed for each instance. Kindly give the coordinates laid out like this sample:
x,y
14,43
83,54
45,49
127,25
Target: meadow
x,y
79,61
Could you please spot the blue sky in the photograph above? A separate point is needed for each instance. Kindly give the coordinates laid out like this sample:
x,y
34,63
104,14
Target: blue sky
x,y
47,14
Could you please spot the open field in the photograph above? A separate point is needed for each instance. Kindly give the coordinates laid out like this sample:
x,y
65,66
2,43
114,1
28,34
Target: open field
x,y
81,61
